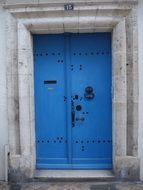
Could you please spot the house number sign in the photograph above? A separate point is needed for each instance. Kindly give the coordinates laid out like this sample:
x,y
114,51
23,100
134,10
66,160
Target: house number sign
x,y
69,7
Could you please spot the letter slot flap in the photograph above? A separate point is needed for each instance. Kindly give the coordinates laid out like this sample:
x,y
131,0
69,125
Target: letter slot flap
x,y
50,81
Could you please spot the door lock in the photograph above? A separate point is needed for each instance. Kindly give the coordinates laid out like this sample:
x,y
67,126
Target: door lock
x,y
80,118
89,93
78,107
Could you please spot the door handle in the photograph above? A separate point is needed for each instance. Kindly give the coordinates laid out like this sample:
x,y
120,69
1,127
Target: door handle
x,y
80,119
73,114
73,118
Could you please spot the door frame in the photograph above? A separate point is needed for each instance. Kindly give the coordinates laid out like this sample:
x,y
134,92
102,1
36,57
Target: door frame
x,y
20,29
119,88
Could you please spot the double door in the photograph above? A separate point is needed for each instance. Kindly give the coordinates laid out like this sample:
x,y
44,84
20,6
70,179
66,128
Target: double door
x,y
73,106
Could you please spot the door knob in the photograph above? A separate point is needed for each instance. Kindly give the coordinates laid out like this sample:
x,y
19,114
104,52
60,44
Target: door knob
x,y
89,93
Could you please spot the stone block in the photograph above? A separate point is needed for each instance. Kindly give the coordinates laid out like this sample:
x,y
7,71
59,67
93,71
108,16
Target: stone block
x,y
132,140
119,89
119,64
4,186
9,2
132,90
127,168
119,114
25,59
120,141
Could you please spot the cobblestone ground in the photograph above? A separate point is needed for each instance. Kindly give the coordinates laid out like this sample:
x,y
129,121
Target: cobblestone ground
x,y
73,186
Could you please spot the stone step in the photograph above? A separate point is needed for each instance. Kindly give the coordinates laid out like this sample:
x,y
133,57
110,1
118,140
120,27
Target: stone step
x,y
78,186
73,175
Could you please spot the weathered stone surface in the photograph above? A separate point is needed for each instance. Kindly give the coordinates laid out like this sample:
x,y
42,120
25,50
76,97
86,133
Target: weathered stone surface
x,y
73,186
4,186
78,186
127,168
84,186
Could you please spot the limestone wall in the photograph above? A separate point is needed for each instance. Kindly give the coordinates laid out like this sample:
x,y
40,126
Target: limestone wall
x,y
3,93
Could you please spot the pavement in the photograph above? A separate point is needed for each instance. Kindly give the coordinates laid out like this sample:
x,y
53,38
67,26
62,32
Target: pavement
x,y
73,186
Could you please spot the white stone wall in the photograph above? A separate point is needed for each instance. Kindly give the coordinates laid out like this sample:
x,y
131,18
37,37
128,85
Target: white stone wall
x,y
140,61
3,94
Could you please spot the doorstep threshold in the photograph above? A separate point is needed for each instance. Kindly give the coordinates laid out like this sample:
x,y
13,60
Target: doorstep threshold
x,y
74,175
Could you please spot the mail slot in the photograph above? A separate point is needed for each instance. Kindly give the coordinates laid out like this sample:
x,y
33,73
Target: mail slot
x,y
50,81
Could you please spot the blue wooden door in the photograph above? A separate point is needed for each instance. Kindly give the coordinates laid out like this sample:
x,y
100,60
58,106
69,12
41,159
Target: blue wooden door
x,y
73,108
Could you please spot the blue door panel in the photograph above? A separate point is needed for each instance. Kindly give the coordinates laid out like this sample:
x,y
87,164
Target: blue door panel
x,y
91,60
84,140
50,109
